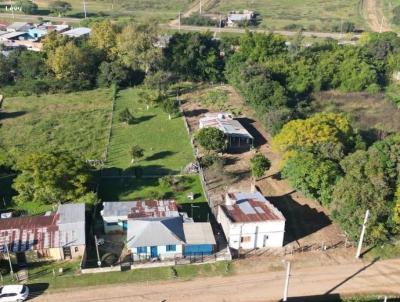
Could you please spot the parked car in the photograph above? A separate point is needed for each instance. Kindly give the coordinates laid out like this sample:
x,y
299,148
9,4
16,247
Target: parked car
x,y
14,293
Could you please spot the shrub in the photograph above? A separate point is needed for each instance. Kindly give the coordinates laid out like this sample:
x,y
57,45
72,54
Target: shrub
x,y
126,116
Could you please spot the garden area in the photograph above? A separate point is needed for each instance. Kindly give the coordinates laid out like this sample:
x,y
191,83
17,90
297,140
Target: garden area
x,y
165,143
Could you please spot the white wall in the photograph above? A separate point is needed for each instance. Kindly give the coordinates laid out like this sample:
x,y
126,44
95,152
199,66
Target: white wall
x,y
162,252
261,234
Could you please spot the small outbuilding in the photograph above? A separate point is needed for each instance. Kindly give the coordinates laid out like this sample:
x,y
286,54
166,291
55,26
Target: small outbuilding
x,y
199,239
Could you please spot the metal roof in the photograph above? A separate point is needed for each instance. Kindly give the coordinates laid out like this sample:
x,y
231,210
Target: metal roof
x,y
198,233
66,227
224,122
251,207
18,26
12,34
77,32
114,210
155,232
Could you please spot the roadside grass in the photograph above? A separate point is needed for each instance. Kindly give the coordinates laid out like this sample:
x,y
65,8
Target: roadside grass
x,y
74,122
125,189
71,278
165,142
384,251
313,15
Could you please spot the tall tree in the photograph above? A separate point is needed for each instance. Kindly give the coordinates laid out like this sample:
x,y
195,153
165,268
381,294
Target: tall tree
x,y
103,36
136,47
211,139
51,178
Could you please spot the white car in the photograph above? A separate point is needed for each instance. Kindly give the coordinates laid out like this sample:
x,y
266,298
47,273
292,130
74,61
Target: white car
x,y
14,293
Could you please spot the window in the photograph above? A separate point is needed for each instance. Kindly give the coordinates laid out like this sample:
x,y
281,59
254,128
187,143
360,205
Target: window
x,y
245,239
112,223
142,250
76,249
171,248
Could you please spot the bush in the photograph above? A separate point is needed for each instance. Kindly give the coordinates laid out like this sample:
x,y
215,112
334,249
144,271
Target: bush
x,y
126,116
209,160
211,139
199,20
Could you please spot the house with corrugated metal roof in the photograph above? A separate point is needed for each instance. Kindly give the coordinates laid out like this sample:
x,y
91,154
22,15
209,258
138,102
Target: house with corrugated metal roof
x,y
236,134
250,221
54,236
155,229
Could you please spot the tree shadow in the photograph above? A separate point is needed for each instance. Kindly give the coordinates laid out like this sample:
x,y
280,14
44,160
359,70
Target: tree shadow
x,y
195,112
8,115
301,220
247,123
144,118
160,155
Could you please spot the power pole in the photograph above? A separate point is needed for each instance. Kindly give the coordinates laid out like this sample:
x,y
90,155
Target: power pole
x,y
84,8
179,21
362,234
97,251
9,261
380,29
200,7
286,289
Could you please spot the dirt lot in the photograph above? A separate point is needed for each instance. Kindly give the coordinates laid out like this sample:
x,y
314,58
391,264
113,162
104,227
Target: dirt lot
x,y
307,222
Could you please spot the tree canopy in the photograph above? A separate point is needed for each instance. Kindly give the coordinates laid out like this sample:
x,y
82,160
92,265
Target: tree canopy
x,y
211,139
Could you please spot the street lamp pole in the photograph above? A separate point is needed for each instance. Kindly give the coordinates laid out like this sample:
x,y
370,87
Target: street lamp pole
x,y
97,251
286,289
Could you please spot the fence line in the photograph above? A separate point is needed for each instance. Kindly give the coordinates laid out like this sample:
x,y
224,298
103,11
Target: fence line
x,y
114,97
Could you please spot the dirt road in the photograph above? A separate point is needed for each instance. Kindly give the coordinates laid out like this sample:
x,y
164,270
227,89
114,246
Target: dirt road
x,y
374,15
362,277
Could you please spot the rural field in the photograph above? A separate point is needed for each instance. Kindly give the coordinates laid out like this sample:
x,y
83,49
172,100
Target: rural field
x,y
313,15
74,122
158,9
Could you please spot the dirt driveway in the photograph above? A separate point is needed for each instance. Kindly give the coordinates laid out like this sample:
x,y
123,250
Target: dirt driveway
x,y
307,223
374,15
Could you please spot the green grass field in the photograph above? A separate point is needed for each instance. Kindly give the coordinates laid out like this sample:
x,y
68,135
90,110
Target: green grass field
x,y
165,142
158,9
74,122
318,15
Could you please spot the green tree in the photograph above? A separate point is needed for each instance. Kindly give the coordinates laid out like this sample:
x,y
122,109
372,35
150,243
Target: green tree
x,y
126,116
103,36
52,41
259,165
169,106
316,131
112,73
211,139
136,153
27,6
51,178
60,7
312,175
136,47
194,56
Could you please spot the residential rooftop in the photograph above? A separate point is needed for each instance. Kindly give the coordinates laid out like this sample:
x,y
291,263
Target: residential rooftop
x,y
198,233
250,207
77,32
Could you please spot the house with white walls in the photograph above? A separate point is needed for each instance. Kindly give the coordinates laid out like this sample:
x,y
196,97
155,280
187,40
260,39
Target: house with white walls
x,y
250,221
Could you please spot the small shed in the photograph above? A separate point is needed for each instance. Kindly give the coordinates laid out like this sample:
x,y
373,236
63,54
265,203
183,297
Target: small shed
x,y
200,239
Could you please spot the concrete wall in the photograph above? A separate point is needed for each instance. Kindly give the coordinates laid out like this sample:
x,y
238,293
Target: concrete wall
x,y
162,253
252,235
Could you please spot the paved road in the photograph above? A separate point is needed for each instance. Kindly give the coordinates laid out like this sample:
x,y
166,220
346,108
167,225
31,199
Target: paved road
x,y
337,36
34,17
361,277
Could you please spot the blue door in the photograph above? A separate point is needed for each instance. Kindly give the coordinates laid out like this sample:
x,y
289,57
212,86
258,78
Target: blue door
x,y
154,252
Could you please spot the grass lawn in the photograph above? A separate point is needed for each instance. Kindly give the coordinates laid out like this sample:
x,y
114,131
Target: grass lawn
x,y
43,275
165,142
125,189
74,122
313,15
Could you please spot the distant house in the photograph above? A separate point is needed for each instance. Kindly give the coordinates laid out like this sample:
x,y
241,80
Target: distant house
x,y
237,135
237,18
77,32
19,26
55,236
250,221
155,229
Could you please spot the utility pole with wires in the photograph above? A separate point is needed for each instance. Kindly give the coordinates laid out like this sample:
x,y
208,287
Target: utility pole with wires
x,y
84,8
380,28
97,251
286,288
201,6
9,261
362,235
179,21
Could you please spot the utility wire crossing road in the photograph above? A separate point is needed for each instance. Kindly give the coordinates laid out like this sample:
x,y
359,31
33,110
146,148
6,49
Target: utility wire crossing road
x,y
356,278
